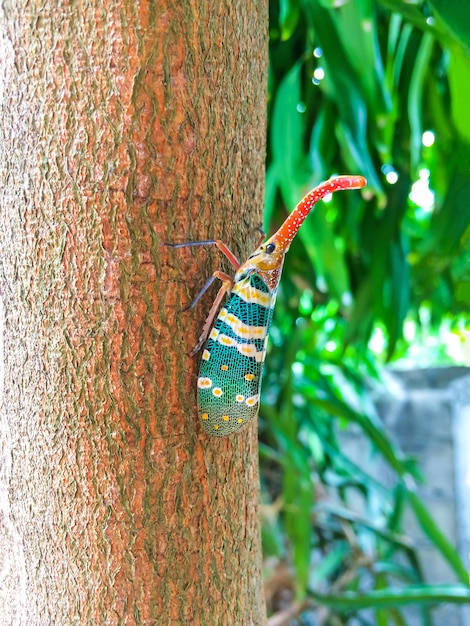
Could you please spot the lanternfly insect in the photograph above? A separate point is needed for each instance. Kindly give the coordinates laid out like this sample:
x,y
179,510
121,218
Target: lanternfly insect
x,y
229,379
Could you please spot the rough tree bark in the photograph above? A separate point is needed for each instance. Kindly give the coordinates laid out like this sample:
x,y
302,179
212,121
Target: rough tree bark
x,y
122,125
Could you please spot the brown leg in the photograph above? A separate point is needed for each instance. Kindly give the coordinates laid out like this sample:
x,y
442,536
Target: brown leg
x,y
215,242
226,287
262,237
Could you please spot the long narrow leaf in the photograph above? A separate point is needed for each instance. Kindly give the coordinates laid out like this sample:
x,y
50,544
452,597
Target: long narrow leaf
x,y
413,594
431,529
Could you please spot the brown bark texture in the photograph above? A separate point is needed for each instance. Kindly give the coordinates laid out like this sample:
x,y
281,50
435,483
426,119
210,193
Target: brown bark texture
x,y
123,125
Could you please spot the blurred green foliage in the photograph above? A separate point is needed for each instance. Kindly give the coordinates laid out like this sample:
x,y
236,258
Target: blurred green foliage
x,y
379,89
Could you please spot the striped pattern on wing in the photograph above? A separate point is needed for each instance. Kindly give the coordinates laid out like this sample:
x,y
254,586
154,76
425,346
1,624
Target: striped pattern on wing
x,y
231,368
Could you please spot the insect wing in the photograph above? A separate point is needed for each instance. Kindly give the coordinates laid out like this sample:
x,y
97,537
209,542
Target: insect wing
x,y
231,368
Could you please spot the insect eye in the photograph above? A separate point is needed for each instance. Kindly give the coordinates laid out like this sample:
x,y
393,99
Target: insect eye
x,y
270,248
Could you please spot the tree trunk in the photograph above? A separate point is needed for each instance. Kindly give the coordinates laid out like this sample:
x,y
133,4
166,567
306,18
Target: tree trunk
x,y
123,125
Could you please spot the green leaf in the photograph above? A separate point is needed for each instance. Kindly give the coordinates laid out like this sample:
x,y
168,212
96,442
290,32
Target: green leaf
x,y
459,82
356,26
450,223
329,564
456,16
415,96
341,85
287,138
396,259
397,295
374,431
437,537
413,594
289,13
319,241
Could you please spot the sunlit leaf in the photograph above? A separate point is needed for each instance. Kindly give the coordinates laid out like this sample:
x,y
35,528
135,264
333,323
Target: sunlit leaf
x,y
379,89
289,13
432,594
456,16
459,81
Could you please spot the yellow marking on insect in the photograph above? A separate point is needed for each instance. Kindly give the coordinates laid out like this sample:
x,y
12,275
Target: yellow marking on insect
x,y
252,400
239,397
206,355
244,330
249,376
239,420
204,383
217,391
216,426
225,340
223,314
259,356
214,333
256,332
205,416
224,368
225,418
251,294
247,349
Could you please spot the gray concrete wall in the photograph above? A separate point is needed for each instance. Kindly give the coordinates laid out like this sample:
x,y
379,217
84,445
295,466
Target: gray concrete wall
x,y
428,414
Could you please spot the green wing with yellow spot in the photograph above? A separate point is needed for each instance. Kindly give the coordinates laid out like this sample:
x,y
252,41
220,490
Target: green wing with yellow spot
x,y
232,362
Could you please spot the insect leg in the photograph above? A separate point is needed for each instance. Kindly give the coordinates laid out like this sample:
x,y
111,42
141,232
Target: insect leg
x,y
214,242
262,236
226,287
200,294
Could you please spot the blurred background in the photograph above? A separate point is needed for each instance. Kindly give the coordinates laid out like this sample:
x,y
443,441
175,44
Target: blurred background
x,y
364,435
